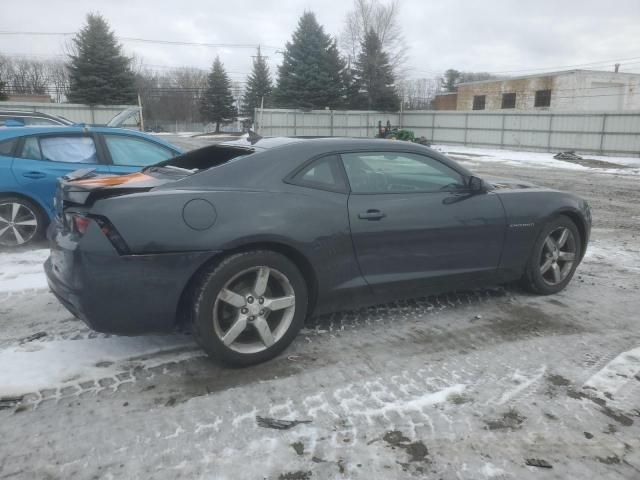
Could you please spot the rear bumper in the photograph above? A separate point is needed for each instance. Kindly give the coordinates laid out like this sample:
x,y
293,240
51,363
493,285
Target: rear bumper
x,y
126,295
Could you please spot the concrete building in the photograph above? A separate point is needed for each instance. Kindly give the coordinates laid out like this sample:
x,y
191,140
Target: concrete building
x,y
446,101
572,90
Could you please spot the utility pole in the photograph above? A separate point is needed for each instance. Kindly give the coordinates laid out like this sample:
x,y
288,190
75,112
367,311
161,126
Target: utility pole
x,y
141,116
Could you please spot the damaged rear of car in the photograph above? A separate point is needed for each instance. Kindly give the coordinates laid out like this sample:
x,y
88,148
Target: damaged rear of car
x,y
90,258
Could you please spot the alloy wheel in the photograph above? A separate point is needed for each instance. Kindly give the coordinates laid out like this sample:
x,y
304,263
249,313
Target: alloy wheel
x,y
254,309
18,224
558,256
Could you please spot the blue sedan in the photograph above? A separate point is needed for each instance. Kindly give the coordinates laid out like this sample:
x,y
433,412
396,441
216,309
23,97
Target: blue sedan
x,y
32,159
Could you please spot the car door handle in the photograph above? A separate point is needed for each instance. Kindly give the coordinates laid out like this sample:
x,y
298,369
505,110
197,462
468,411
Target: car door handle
x,y
34,174
371,215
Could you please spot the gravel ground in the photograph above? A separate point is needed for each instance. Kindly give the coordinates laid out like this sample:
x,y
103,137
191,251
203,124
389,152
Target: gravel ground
x,y
493,383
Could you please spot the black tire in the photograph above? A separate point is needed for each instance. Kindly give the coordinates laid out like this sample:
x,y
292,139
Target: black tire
x,y
211,283
533,280
40,217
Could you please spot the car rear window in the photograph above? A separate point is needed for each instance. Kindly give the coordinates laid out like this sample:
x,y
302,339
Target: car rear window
x,y
7,146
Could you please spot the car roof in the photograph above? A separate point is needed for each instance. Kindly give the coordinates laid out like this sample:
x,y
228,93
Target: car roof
x,y
15,132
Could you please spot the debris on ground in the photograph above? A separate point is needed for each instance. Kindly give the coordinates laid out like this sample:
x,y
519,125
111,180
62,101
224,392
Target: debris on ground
x,y
538,462
276,424
568,155
9,402
35,336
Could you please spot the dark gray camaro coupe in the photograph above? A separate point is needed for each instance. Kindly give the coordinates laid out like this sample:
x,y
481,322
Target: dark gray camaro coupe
x,y
242,241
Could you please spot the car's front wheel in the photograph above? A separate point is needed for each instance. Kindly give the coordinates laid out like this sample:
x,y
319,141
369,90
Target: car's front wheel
x,y
21,222
555,257
249,307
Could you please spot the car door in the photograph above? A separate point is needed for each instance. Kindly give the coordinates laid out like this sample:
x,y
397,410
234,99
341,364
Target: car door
x,y
129,153
42,159
416,226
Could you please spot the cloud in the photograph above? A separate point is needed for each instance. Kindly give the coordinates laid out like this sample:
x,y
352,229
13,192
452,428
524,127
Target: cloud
x,y
492,35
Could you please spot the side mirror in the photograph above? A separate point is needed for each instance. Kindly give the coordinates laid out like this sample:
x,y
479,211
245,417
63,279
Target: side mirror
x,y
477,185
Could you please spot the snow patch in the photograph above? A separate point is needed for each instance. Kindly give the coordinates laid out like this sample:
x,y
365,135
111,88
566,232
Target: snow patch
x,y
615,374
630,165
60,363
489,470
23,270
522,382
416,404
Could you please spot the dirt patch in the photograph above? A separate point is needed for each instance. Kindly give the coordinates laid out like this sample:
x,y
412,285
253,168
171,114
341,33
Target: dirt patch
x,y
298,447
417,451
511,420
299,475
459,398
612,460
619,417
558,380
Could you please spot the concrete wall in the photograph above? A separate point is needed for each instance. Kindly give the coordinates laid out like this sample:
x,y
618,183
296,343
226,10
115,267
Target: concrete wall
x,y
75,112
578,90
606,133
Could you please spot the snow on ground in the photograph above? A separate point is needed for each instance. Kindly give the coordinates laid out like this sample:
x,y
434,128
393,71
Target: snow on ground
x,y
34,366
473,155
22,270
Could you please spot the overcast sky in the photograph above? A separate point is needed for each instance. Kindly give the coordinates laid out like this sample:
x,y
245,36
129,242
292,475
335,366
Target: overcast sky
x,y
473,35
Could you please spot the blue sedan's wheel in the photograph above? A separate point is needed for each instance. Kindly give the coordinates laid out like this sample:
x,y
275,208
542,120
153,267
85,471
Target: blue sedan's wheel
x,y
249,307
21,222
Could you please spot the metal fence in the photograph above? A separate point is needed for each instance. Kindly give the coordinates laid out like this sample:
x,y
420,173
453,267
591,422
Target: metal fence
x,y
73,111
605,133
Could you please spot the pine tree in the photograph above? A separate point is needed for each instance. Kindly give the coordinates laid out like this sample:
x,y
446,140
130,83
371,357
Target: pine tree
x,y
374,77
311,73
259,86
450,80
99,73
216,104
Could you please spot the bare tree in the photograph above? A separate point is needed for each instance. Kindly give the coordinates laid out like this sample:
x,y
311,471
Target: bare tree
x,y
171,96
384,20
418,93
58,80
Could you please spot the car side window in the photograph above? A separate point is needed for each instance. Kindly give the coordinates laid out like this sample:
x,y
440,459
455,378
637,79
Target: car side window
x,y
323,173
6,147
70,149
398,172
136,152
31,149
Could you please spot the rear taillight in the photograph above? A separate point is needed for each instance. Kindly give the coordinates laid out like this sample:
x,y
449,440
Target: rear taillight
x,y
80,223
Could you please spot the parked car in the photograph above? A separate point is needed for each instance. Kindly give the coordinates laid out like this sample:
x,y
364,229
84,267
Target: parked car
x,y
32,159
242,241
25,118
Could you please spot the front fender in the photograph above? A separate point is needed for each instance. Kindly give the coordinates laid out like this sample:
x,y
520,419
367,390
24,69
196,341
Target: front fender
x,y
528,211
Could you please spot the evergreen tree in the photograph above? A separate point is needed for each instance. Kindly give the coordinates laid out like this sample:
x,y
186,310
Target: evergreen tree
x,y
311,73
99,73
216,104
450,80
259,86
374,77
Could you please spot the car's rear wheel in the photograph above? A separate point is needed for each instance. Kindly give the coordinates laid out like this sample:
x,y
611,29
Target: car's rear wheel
x,y
555,257
21,222
249,307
